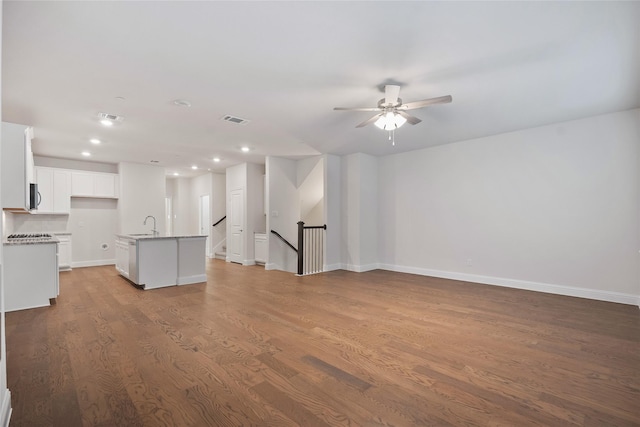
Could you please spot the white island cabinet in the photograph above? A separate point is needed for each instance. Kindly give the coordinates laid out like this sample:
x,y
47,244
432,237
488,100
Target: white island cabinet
x,y
160,261
30,275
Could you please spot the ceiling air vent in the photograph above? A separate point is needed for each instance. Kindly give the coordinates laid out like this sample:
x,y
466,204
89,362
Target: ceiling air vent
x,y
236,120
112,117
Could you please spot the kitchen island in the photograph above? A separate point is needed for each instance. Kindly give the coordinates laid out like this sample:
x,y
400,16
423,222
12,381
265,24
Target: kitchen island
x,y
30,271
152,261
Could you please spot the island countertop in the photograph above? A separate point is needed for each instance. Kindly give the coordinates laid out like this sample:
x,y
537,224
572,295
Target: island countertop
x,y
149,236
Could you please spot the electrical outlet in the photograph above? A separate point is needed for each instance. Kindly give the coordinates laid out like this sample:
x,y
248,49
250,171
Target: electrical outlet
x,y
469,262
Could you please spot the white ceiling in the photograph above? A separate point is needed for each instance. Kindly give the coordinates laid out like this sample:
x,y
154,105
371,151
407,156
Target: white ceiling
x,y
285,65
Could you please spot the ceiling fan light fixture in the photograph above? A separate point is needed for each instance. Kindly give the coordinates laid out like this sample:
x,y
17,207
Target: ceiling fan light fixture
x,y
390,121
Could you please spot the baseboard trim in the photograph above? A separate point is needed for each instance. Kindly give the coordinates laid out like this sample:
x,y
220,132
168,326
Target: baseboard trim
x,y
520,284
333,267
5,411
360,268
95,263
188,280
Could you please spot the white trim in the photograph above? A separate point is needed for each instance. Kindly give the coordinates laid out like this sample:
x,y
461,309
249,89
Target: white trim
x,y
271,266
360,268
521,284
5,410
249,262
332,267
95,263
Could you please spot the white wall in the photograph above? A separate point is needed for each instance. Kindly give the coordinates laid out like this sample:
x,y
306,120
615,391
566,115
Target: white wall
x,y
180,192
310,179
360,212
142,193
555,209
333,212
185,196
200,186
93,224
283,213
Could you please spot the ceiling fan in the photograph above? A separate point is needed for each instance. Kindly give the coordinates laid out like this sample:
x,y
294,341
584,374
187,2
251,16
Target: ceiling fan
x,y
392,112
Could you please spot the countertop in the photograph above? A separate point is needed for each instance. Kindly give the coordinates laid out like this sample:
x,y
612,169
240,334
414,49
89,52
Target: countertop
x,y
161,236
31,241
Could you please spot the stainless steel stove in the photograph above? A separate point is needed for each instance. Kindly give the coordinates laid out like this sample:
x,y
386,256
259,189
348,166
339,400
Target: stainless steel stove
x,y
29,237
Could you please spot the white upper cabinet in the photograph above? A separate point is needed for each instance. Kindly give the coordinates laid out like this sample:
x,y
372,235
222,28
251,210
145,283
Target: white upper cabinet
x,y
54,186
94,184
17,166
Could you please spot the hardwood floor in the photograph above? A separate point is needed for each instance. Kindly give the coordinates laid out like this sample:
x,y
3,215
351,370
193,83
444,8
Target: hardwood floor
x,y
267,348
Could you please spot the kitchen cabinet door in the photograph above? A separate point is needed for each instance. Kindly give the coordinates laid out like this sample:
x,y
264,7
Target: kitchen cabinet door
x,y
81,184
104,185
17,166
64,252
54,186
44,179
94,184
122,257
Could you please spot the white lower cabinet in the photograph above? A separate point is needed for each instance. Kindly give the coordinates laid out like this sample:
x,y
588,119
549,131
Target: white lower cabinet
x,y
260,240
122,256
64,252
30,275
157,262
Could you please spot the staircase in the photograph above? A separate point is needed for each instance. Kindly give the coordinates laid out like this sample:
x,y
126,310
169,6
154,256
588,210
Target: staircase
x,y
222,254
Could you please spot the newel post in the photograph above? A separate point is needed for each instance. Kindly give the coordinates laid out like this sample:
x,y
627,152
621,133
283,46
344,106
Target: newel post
x,y
300,247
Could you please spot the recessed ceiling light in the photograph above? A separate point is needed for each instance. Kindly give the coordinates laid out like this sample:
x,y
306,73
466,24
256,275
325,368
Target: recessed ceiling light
x,y
216,159
245,149
106,122
181,103
120,98
154,161
176,174
95,141
194,167
86,153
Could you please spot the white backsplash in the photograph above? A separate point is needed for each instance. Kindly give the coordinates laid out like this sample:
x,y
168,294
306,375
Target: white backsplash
x,y
31,223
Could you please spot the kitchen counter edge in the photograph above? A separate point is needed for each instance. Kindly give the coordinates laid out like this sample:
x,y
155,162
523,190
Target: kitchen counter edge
x,y
151,237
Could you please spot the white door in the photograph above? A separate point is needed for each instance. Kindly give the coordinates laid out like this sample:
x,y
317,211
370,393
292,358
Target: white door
x,y
235,242
205,222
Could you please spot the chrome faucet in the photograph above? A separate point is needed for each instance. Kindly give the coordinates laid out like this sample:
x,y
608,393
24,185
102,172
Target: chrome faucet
x,y
153,230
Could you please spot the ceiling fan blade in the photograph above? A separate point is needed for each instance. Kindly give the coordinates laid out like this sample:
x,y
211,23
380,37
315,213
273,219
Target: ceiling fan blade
x,y
426,102
357,109
410,119
391,93
370,120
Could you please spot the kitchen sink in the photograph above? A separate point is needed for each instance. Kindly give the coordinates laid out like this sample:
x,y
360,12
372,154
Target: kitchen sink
x,y
141,234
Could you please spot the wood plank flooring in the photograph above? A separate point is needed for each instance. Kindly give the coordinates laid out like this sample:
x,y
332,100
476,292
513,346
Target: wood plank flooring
x,y
266,348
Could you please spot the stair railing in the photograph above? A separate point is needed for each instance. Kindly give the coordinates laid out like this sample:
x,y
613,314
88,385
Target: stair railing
x,y
284,240
310,248
219,221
